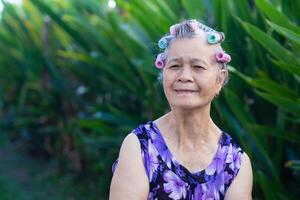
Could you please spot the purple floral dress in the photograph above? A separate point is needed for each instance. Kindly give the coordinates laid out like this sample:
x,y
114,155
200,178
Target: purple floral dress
x,y
168,179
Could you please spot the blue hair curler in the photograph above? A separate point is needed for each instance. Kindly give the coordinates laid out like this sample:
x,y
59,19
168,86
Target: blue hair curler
x,y
215,37
164,41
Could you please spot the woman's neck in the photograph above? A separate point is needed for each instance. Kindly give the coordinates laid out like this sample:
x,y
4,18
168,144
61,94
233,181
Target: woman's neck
x,y
190,129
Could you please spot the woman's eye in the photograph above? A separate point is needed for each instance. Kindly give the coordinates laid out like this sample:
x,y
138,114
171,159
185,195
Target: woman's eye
x,y
174,66
198,67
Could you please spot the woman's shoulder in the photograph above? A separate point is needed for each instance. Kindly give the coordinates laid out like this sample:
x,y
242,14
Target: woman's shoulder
x,y
129,177
229,140
135,142
141,128
145,132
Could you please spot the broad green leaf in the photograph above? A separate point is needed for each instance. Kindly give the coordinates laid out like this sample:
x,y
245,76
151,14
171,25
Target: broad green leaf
x,y
286,104
274,15
244,116
274,47
267,85
58,19
264,181
241,111
289,34
274,88
165,8
242,9
194,8
293,69
270,131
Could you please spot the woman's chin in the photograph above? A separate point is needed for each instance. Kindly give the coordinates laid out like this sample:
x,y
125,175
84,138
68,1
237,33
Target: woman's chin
x,y
187,105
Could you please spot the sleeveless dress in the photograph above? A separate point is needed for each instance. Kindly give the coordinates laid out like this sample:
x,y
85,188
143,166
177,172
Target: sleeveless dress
x,y
168,179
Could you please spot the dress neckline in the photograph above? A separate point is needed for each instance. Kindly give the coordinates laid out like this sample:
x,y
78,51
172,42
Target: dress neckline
x,y
176,162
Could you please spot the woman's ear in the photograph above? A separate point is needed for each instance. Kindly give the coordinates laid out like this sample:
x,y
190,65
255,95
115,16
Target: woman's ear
x,y
223,73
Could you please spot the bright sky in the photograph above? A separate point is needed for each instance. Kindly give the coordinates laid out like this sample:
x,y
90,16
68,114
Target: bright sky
x,y
17,2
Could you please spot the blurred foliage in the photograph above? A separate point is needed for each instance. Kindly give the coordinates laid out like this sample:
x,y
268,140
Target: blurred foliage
x,y
77,76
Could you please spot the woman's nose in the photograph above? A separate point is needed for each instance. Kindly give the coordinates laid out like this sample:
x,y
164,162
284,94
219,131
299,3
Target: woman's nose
x,y
185,74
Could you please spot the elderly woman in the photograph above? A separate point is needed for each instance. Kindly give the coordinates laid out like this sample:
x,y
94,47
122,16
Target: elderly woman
x,y
184,154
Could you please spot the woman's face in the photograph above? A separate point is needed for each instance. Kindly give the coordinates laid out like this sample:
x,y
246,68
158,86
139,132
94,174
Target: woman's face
x,y
190,73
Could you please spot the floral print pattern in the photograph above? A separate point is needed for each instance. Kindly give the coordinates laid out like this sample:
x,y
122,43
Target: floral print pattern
x,y
168,179
174,185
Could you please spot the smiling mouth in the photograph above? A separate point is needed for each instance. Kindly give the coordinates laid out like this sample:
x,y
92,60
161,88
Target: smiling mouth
x,y
185,91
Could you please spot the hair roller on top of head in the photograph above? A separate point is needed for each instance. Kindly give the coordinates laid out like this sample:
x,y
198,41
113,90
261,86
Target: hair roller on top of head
x,y
194,25
206,28
173,29
189,28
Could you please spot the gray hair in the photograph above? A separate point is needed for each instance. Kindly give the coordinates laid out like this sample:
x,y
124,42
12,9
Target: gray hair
x,y
185,30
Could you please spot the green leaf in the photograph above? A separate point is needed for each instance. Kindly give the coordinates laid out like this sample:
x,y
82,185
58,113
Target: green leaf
x,y
244,116
192,10
293,69
264,181
282,102
267,85
242,9
294,164
271,131
58,19
289,34
274,15
274,47
239,108
96,124
274,88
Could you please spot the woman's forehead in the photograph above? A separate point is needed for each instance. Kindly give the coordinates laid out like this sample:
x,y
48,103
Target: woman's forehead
x,y
192,49
189,58
191,52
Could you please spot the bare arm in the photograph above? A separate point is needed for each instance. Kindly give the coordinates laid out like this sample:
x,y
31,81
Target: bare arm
x,y
130,180
241,187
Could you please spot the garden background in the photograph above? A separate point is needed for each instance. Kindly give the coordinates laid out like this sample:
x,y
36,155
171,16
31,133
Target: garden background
x,y
76,76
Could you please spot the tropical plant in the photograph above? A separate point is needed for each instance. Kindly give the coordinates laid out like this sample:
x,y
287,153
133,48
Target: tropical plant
x,y
77,76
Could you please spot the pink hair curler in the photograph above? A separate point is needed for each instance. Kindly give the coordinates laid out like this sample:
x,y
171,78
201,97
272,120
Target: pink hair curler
x,y
194,25
159,62
173,30
223,57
